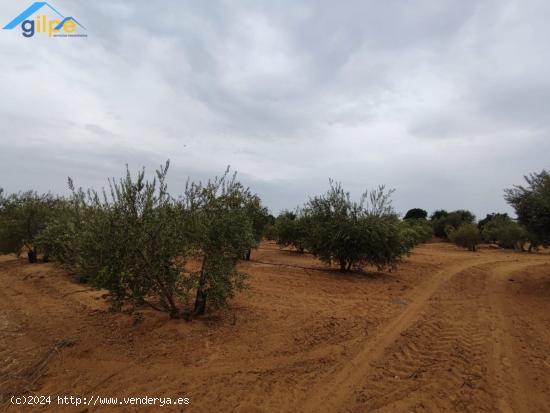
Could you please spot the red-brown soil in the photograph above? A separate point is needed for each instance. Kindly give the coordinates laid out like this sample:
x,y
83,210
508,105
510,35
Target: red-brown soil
x,y
449,330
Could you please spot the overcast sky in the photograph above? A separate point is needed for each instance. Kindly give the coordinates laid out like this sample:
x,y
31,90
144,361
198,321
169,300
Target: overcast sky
x,y
448,102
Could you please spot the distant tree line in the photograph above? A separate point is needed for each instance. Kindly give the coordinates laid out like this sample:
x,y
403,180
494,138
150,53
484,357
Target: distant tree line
x,y
530,230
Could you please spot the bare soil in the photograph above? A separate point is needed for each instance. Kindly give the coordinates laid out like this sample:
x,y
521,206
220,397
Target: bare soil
x,y
449,330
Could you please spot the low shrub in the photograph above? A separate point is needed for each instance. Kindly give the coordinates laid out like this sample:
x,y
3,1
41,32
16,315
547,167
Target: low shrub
x,y
466,236
355,234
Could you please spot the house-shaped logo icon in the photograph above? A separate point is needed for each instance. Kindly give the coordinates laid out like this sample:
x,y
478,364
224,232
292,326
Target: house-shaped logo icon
x,y
59,26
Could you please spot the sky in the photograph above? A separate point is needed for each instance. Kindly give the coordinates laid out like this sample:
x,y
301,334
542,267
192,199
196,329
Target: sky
x,y
448,102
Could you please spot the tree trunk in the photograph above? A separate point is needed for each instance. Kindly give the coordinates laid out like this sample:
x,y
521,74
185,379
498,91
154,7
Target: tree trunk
x,y
200,300
247,254
32,255
342,265
46,258
172,307
174,312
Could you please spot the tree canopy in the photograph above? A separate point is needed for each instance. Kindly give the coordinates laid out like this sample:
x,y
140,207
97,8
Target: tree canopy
x,y
416,213
532,205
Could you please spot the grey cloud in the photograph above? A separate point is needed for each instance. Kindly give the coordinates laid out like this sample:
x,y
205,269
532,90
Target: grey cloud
x,y
522,103
430,97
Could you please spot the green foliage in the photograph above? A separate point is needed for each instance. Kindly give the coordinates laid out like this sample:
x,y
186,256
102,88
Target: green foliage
x,y
444,222
270,232
355,234
532,206
502,230
135,239
291,229
22,217
466,236
420,230
58,238
489,217
416,213
133,242
511,235
490,226
222,232
260,217
438,214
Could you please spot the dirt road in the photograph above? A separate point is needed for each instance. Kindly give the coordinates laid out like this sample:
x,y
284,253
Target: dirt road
x,y
450,330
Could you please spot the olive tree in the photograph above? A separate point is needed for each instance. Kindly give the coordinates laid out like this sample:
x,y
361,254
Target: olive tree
x,y
291,230
134,239
260,219
416,213
466,236
532,206
354,234
489,217
223,231
129,239
419,230
137,232
59,239
505,232
22,217
443,222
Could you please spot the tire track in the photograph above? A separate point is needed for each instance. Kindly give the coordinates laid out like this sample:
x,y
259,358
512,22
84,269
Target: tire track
x,y
439,363
512,395
458,356
336,391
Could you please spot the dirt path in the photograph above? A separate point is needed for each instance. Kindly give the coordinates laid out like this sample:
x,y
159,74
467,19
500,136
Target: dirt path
x,y
513,388
335,392
504,366
460,354
448,331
